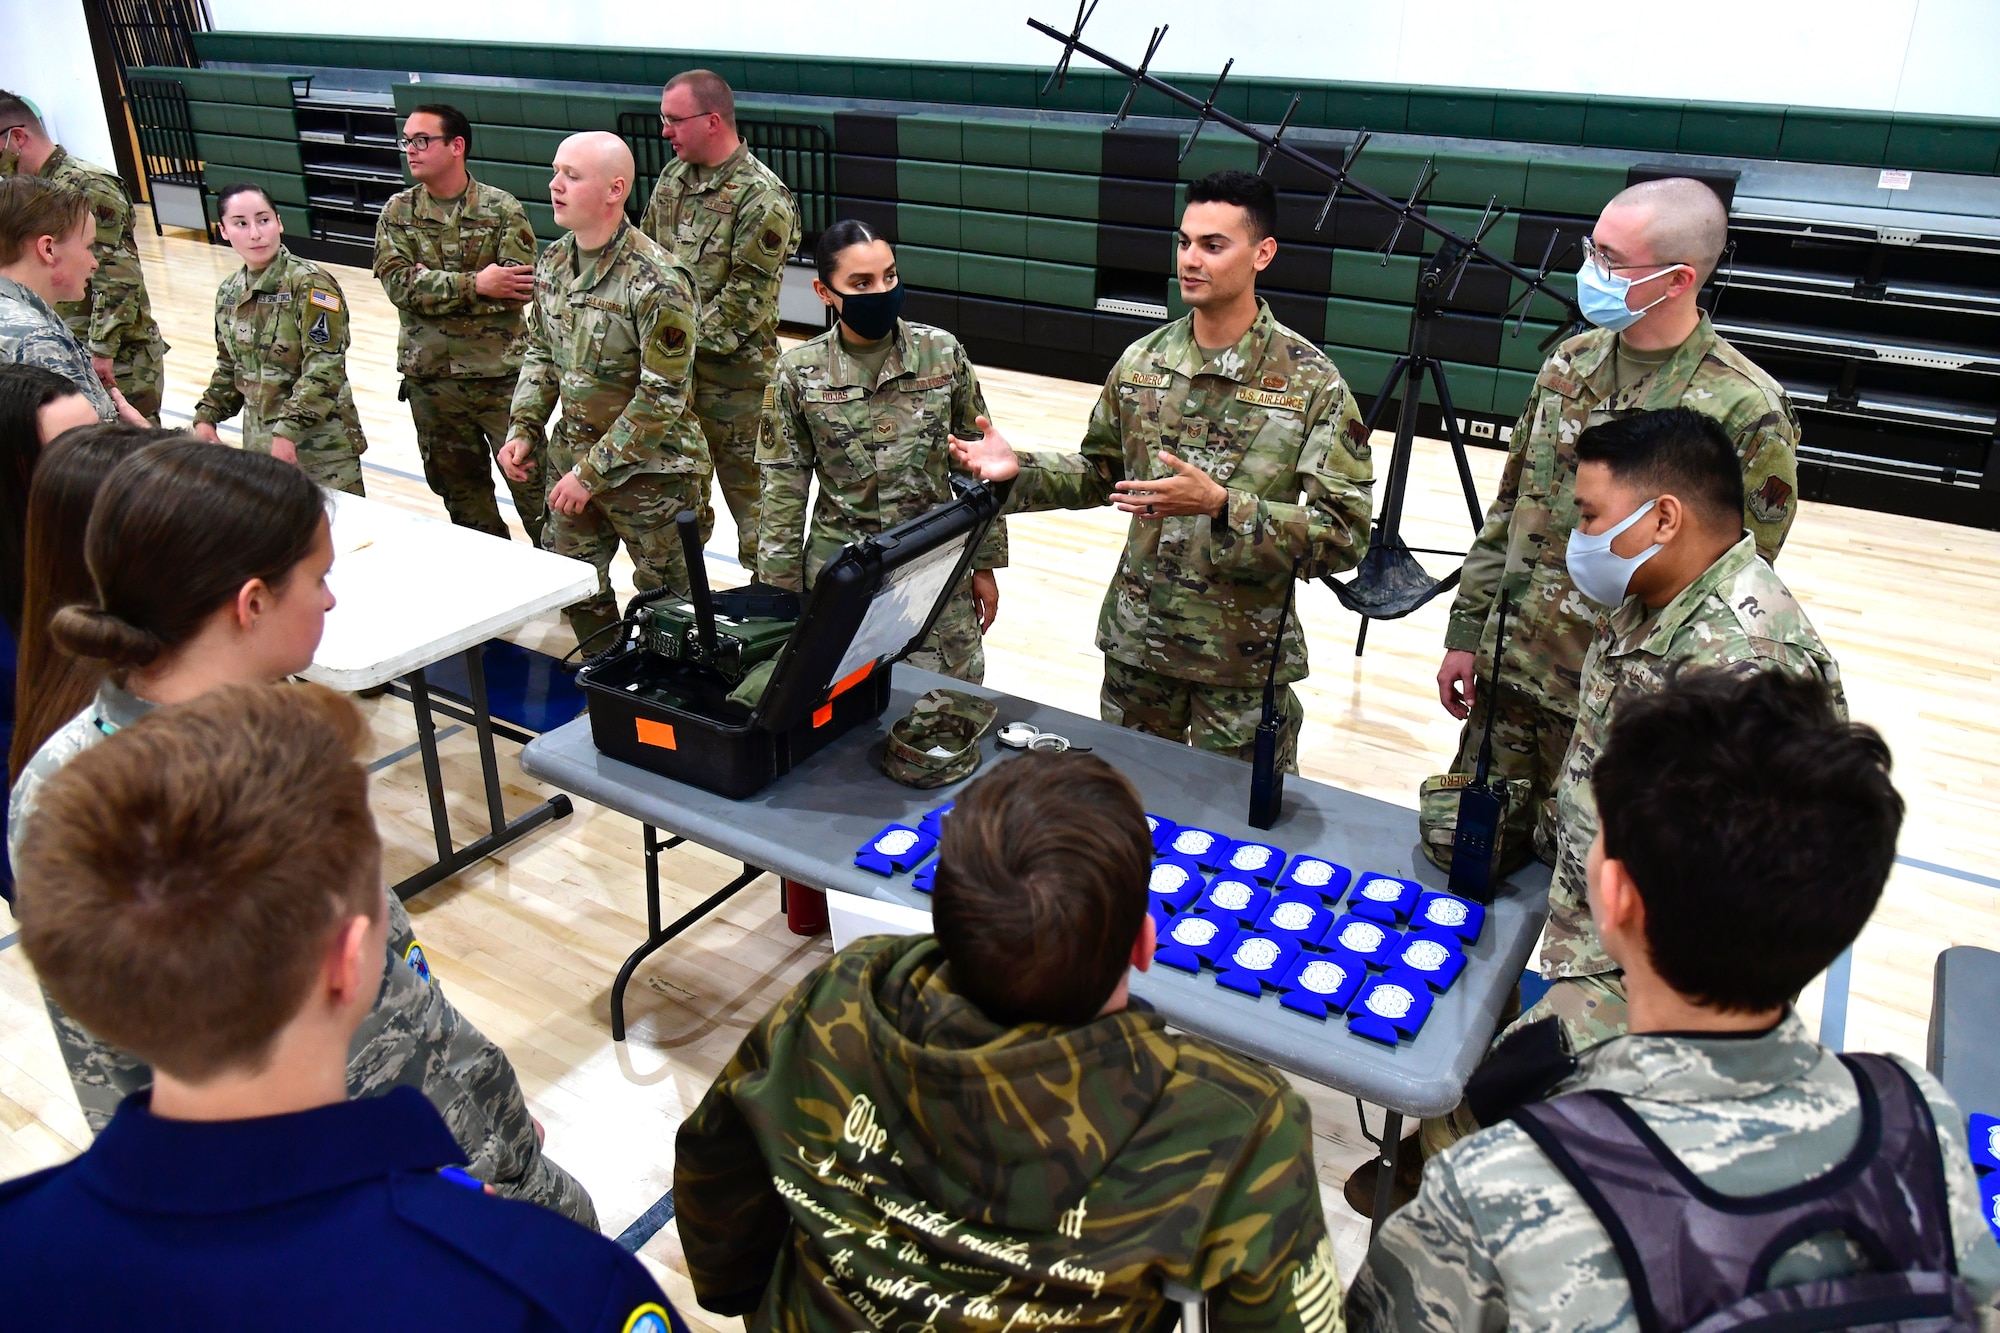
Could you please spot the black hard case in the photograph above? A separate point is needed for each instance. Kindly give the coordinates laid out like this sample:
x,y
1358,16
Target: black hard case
x,y
805,707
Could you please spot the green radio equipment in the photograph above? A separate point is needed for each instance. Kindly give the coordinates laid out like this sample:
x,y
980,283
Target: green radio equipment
x,y
729,632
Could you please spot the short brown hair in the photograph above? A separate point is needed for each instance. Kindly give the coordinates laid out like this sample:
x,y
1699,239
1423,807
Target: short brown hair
x,y
31,208
180,882
17,110
1041,887
711,93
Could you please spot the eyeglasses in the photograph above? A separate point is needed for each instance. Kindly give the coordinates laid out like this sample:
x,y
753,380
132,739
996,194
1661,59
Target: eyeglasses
x,y
417,143
1606,266
667,122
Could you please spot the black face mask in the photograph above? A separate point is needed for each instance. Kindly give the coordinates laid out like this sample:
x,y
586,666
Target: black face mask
x,y
872,315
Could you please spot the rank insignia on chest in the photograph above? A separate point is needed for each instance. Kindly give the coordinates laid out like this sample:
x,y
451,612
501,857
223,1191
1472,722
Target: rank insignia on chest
x,y
1147,379
1290,402
325,300
1275,383
321,333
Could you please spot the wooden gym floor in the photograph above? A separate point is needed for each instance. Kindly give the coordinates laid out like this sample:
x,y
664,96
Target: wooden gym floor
x,y
526,944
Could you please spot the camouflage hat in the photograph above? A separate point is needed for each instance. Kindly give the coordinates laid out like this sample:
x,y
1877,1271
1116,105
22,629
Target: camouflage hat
x,y
1437,819
937,742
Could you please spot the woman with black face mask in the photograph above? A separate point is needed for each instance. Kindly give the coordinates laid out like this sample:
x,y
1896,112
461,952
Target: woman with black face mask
x,y
867,407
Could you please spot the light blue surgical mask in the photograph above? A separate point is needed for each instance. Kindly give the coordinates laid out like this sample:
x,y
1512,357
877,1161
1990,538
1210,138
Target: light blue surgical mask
x,y
1601,295
1600,573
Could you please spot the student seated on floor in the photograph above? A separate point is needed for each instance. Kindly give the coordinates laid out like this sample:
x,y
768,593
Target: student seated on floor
x,y
975,1129
1717,1151
204,889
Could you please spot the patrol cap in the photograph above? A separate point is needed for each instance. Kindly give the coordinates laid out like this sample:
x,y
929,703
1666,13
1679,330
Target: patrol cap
x,y
937,742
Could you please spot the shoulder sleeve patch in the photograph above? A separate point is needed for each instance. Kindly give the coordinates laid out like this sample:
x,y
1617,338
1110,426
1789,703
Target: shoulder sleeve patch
x,y
324,299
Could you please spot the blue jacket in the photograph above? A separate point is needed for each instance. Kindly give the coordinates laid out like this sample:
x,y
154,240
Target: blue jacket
x,y
333,1218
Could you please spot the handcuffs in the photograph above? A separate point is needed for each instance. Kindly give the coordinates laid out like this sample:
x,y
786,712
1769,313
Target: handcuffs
x,y
1026,736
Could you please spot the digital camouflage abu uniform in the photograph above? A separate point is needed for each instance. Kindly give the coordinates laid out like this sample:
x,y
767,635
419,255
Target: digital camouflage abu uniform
x,y
731,226
412,1037
1497,1238
459,352
1521,548
881,453
115,318
880,1154
611,342
1188,620
281,360
32,334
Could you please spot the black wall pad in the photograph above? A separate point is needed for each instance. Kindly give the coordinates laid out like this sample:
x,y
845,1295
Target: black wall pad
x,y
877,213
869,134
1289,175
1060,330
992,321
1114,333
1149,154
1722,182
1147,249
1299,267
939,308
1471,339
1138,203
1303,315
1480,288
864,177
1531,240
1357,224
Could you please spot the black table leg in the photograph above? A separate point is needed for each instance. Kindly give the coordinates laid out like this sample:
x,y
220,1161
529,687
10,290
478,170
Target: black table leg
x,y
1385,1172
655,936
449,861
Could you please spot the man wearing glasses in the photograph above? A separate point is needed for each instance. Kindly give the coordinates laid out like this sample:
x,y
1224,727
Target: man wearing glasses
x,y
731,223
1653,247
114,320
457,258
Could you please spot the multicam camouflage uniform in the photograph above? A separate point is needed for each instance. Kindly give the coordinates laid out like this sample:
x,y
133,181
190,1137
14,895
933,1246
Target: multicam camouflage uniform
x,y
611,341
459,352
32,334
413,1036
878,1153
881,455
281,360
1188,619
1498,1239
731,226
114,319
1520,551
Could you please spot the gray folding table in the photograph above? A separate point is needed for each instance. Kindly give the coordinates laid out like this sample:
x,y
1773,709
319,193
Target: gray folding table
x,y
808,825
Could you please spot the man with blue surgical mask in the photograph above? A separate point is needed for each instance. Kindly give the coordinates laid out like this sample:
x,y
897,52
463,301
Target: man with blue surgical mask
x,y
1659,549
1648,255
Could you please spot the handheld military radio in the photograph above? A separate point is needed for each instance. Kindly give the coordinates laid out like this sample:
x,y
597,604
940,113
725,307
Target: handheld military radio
x,y
1267,780
1482,804
727,633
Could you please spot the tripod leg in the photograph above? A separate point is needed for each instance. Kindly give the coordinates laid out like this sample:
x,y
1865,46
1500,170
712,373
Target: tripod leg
x,y
1457,439
1373,415
1389,524
1361,637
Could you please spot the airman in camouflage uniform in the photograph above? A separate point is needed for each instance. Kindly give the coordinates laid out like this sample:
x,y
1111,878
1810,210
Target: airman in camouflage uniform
x,y
731,226
879,1153
1188,620
412,1037
612,342
32,334
1520,551
1497,1238
879,450
114,320
281,360
459,353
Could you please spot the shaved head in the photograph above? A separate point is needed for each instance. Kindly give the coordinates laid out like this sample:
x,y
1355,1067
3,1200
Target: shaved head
x,y
593,179
599,155
1682,221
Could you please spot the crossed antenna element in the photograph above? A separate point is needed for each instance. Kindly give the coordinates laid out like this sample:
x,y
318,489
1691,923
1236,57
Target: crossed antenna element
x,y
1462,250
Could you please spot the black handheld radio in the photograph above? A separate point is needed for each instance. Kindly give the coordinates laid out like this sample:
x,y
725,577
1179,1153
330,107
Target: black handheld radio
x,y
1267,780
1482,805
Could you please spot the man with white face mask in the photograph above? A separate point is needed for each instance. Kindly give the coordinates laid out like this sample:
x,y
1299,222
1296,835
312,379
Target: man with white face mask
x,y
1659,545
1648,255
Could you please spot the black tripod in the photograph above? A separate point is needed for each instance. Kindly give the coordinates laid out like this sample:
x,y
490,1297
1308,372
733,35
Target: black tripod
x,y
1389,583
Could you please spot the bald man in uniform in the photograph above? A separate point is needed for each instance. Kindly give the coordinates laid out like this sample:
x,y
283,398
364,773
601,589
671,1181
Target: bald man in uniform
x,y
1653,247
611,340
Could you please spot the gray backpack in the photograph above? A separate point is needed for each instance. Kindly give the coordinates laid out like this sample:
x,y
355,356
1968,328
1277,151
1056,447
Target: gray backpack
x,y
1699,1262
